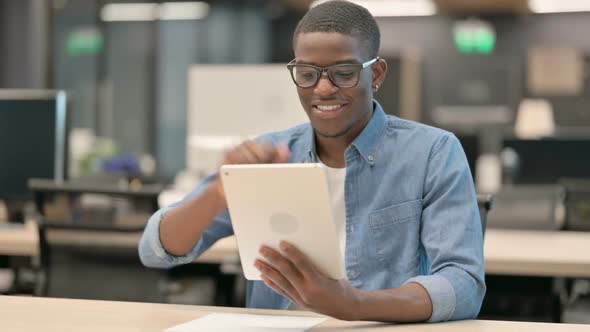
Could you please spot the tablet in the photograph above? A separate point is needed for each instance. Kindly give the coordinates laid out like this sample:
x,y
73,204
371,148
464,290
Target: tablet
x,y
269,203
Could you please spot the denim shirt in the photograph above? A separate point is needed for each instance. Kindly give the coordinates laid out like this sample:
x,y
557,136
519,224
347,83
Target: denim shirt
x,y
411,216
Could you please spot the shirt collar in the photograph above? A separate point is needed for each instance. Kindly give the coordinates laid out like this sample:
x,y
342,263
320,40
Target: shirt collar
x,y
365,143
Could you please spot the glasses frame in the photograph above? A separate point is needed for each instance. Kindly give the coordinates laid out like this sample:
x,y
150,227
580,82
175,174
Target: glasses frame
x,y
291,65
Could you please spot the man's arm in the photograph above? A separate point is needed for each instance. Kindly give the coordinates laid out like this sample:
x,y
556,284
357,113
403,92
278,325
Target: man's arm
x,y
291,274
452,238
174,235
406,304
152,250
182,227
451,235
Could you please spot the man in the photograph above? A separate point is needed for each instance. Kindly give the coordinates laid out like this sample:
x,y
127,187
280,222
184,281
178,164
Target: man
x,y
402,193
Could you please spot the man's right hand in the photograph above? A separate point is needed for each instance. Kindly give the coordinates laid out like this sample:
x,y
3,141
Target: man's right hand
x,y
250,152
183,226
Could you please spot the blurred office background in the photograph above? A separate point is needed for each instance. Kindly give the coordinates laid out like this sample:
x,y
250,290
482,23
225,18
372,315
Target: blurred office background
x,y
155,91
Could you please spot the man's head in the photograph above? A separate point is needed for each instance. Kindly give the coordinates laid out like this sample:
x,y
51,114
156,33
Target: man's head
x,y
338,101
342,17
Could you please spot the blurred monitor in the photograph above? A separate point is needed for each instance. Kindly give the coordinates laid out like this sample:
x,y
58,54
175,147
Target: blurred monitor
x,y
32,139
549,159
230,103
475,91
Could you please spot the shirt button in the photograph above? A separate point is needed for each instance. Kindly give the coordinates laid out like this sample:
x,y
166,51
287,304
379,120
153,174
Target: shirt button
x,y
370,158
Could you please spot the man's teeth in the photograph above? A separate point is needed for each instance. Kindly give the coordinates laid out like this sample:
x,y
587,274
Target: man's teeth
x,y
328,107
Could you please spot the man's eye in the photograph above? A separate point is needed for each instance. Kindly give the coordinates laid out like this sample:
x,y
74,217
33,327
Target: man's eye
x,y
345,74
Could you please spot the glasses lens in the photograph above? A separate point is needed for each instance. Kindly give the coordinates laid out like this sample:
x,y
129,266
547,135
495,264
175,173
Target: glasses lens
x,y
305,76
344,75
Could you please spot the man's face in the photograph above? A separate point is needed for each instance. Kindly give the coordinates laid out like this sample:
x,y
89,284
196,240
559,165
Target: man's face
x,y
333,111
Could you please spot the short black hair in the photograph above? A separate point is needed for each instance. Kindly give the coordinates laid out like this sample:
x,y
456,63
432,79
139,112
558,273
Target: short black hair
x,y
343,17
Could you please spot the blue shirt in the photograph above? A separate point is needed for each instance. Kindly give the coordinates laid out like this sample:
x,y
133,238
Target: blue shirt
x,y
411,216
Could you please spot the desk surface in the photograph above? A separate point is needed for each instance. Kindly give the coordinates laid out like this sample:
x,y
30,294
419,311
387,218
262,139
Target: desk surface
x,y
537,253
47,314
507,252
19,240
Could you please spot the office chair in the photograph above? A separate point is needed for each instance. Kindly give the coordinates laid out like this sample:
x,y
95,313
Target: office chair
x,y
529,207
484,202
94,262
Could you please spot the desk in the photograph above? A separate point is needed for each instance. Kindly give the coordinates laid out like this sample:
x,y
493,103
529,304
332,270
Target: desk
x,y
43,187
507,252
537,253
47,314
19,240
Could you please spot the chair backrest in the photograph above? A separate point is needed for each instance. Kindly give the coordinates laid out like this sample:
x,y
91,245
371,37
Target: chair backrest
x,y
91,262
528,207
577,204
484,202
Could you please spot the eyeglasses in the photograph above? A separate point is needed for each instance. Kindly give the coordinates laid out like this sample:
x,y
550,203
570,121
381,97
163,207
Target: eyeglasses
x,y
342,75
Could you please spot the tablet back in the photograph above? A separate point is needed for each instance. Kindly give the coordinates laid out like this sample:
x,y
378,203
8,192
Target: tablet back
x,y
273,202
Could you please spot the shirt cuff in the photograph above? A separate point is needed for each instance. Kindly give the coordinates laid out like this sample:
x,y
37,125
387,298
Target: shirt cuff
x,y
156,243
442,295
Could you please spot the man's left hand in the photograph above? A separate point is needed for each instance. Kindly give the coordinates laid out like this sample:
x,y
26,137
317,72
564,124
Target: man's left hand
x,y
291,274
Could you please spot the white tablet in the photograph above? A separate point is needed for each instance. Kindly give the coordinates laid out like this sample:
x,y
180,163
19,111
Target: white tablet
x,y
269,203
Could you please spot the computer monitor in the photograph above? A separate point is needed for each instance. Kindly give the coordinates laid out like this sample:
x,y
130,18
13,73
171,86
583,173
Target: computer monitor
x,y
32,139
475,92
550,159
229,103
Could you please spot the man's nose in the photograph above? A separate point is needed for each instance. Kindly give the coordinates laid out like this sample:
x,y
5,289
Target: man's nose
x,y
325,85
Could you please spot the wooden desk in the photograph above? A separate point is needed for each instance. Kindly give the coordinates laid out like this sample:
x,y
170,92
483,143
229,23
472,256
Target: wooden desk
x,y
507,252
537,253
19,240
28,314
43,187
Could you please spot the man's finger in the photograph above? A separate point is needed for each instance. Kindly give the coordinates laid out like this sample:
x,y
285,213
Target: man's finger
x,y
278,280
300,260
282,264
278,289
245,155
264,152
283,154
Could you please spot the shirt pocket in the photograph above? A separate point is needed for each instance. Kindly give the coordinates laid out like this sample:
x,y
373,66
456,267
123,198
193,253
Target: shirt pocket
x,y
396,234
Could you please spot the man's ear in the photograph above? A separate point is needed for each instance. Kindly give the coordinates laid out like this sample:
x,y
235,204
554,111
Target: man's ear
x,y
379,72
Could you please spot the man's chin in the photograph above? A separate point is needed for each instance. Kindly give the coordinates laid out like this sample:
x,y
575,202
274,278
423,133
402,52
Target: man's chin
x,y
331,133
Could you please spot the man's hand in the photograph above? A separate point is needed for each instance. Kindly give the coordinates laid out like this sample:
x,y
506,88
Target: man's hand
x,y
250,152
291,274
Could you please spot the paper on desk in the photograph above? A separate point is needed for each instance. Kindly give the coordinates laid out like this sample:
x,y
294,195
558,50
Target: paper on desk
x,y
248,323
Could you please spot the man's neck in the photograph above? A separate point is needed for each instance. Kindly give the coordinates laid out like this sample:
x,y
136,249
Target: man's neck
x,y
331,151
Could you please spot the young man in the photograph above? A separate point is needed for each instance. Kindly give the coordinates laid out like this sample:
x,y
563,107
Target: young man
x,y
402,193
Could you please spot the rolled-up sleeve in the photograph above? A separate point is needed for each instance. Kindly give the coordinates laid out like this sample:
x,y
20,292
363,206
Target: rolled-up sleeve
x,y
451,235
151,250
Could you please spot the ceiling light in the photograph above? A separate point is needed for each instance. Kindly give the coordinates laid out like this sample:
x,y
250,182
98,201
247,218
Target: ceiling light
x,y
559,6
392,8
183,10
128,12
